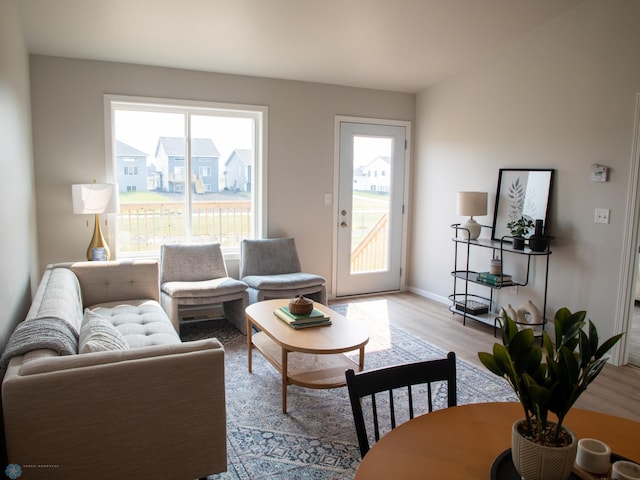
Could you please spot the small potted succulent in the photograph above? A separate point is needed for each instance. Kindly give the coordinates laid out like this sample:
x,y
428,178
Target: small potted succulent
x,y
571,362
519,228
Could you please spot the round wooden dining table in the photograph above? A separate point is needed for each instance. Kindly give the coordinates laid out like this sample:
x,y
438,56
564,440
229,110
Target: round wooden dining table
x,y
462,442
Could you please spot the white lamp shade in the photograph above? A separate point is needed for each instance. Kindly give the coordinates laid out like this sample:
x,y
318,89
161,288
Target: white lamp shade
x,y
94,198
472,203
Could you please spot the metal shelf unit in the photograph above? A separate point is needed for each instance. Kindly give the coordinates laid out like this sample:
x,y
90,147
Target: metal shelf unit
x,y
473,305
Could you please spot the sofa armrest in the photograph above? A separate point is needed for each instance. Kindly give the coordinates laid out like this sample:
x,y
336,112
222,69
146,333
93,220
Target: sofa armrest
x,y
119,280
148,413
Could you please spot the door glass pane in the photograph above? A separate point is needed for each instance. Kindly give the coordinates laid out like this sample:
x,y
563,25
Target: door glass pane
x,y
370,203
222,157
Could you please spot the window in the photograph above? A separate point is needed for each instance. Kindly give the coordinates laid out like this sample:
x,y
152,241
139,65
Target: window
x,y
178,147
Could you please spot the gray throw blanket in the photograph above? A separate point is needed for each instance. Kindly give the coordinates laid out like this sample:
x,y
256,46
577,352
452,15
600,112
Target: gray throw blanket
x,y
48,332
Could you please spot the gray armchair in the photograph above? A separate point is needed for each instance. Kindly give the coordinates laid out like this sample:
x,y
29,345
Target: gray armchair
x,y
271,269
196,274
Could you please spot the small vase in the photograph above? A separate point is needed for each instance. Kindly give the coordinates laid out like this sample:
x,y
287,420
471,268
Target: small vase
x,y
510,312
538,462
538,242
518,243
529,313
495,266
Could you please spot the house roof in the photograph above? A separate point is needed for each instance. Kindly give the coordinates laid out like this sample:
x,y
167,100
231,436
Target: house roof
x,y
360,170
245,156
200,147
124,150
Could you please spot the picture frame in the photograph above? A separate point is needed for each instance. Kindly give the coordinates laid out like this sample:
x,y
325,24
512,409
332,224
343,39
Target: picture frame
x,y
522,192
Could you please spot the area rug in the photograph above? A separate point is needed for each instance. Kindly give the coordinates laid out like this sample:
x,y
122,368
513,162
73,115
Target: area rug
x,y
316,438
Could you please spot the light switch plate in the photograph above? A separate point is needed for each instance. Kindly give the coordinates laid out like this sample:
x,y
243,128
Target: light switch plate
x,y
602,215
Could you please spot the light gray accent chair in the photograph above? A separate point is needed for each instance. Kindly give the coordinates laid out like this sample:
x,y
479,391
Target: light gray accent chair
x,y
271,268
196,274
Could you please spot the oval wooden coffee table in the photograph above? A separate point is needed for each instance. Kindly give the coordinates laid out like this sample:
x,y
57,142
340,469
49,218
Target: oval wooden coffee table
x,y
310,357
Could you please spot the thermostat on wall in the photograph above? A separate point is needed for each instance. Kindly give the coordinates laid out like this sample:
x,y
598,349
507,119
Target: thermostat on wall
x,y
599,173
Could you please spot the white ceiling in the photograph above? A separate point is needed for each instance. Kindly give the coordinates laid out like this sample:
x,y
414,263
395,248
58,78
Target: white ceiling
x,y
398,45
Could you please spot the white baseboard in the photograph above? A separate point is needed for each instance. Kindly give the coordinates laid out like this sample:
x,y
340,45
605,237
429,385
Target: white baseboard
x,y
430,296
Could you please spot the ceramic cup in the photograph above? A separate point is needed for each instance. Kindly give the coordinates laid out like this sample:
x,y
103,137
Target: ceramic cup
x,y
623,470
593,455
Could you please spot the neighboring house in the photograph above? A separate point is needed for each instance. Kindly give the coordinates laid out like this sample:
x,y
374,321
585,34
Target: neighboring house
x,y
171,167
238,170
375,176
131,168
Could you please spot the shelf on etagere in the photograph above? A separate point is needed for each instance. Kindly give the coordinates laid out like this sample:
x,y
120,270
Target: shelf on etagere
x,y
472,277
503,244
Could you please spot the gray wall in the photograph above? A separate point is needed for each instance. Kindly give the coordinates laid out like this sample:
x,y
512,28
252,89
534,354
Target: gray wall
x,y
563,97
69,144
18,255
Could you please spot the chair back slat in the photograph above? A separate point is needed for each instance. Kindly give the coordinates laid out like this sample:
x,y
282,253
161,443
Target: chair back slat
x,y
410,395
392,410
368,383
376,426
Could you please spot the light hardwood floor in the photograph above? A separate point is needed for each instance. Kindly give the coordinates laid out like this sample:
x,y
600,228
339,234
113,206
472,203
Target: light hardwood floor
x,y
616,391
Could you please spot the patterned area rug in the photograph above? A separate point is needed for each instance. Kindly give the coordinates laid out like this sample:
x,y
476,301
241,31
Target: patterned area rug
x,y
316,438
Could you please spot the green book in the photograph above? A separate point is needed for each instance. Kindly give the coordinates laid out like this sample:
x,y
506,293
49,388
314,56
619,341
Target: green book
x,y
486,276
303,323
309,317
495,283
319,323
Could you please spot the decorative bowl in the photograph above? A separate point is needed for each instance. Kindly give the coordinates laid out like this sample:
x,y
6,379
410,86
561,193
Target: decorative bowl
x,y
300,305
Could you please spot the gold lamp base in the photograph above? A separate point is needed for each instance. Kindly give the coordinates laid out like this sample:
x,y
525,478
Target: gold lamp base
x,y
98,241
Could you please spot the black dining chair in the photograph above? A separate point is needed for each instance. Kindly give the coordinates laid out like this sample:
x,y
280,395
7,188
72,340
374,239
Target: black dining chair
x,y
364,384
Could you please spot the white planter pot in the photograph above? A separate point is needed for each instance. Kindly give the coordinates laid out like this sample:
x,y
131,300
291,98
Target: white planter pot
x,y
537,462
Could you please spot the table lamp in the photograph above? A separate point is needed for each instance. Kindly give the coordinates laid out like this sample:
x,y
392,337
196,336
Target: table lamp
x,y
95,198
470,204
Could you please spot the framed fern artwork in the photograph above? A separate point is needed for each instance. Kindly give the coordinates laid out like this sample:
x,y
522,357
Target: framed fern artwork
x,y
521,193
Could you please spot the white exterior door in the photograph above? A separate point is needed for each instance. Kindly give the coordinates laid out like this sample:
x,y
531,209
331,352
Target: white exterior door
x,y
371,192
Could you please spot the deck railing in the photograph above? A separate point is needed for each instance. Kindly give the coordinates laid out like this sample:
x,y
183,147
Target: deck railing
x,y
144,226
370,254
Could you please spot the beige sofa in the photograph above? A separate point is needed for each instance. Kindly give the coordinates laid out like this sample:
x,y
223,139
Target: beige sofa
x,y
154,409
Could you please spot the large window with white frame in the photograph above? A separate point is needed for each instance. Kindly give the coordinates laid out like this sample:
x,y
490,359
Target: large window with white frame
x,y
187,188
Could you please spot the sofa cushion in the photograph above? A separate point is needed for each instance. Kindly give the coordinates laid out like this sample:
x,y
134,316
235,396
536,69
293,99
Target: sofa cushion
x,y
285,281
142,323
206,288
98,334
58,296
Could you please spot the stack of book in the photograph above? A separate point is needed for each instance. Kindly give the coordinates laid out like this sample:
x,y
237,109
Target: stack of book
x,y
314,319
472,306
495,280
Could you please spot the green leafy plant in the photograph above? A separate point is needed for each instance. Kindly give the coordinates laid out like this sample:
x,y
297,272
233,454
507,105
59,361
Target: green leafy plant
x,y
520,227
548,379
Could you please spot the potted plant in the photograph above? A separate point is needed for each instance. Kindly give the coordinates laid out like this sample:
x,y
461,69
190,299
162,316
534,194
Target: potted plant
x,y
547,379
519,228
